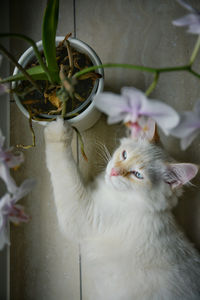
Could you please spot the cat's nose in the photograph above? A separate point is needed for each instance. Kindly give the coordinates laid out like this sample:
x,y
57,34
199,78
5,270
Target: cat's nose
x,y
114,172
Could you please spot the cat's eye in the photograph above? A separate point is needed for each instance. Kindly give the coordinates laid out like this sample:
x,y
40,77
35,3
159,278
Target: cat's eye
x,y
124,154
137,174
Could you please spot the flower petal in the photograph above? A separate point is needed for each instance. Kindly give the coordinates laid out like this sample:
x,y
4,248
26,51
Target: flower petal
x,y
190,19
14,160
134,98
186,5
6,177
24,189
5,204
187,125
17,215
185,142
164,115
135,129
195,29
109,103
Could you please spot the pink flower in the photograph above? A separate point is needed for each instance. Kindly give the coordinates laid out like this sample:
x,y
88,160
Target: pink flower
x,y
135,110
8,160
189,126
191,20
144,128
10,211
7,156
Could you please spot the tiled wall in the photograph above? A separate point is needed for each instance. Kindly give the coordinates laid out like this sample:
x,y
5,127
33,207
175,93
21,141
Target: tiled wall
x,y
43,264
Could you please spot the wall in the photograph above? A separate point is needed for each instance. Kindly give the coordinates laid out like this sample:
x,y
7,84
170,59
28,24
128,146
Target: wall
x,y
5,128
43,265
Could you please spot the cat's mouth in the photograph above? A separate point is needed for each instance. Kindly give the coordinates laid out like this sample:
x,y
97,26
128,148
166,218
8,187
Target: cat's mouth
x,y
116,178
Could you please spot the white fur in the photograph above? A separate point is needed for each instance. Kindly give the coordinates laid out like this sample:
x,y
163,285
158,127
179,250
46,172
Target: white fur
x,y
132,247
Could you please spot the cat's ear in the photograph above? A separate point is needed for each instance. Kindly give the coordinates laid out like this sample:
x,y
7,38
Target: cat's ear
x,y
177,175
152,132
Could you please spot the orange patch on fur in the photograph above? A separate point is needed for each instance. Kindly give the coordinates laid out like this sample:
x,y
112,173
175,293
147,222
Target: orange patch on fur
x,y
126,165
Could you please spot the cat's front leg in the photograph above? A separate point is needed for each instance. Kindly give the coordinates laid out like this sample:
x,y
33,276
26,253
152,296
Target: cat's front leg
x,y
59,131
71,198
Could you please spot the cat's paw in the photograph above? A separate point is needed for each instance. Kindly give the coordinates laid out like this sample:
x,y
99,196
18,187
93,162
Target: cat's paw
x,y
58,131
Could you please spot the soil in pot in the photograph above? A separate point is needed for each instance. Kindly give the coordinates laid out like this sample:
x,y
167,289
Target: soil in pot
x,y
70,61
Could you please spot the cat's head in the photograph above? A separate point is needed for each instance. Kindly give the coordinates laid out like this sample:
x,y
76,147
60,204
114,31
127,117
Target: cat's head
x,y
140,167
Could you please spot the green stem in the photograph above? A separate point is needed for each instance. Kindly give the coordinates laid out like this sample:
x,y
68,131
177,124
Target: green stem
x,y
139,68
195,51
113,65
153,84
194,73
15,62
35,48
173,69
64,109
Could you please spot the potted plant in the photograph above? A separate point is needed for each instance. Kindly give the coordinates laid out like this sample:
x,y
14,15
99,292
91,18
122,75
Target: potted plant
x,y
44,82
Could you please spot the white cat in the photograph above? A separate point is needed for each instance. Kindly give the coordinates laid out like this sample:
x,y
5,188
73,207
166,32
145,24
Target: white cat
x,y
131,244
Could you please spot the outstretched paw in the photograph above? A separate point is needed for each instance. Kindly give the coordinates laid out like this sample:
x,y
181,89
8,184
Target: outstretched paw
x,y
58,131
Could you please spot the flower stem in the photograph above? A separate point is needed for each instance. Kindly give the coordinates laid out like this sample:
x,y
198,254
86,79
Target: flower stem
x,y
195,51
114,65
139,68
194,73
15,62
64,109
153,84
173,69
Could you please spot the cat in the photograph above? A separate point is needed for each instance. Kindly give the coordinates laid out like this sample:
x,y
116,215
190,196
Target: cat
x,y
131,245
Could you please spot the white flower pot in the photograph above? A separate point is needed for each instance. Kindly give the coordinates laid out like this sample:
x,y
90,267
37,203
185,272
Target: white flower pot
x,y
88,117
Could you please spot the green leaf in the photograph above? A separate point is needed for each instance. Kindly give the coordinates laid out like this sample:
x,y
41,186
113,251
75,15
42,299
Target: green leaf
x,y
36,73
49,28
35,48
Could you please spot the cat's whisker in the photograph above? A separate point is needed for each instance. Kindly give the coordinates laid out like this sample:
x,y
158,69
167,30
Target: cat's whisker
x,y
192,185
106,151
99,167
103,153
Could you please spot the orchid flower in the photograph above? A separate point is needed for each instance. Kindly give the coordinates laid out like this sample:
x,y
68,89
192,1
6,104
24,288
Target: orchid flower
x,y
143,128
10,211
188,128
6,156
136,111
8,160
191,20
